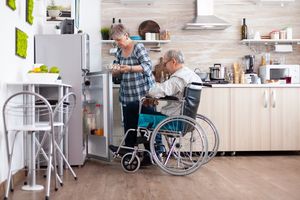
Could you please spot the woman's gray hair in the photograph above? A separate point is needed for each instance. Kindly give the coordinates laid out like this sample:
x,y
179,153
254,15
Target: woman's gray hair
x,y
176,54
118,31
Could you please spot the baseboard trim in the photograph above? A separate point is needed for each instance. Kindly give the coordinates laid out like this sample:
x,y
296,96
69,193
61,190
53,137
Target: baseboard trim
x,y
17,177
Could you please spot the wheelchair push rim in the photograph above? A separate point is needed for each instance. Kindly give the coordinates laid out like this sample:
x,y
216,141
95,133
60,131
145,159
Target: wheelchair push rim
x,y
212,135
185,145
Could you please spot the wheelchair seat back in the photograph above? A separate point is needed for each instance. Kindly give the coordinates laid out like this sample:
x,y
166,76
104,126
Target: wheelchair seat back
x,y
191,101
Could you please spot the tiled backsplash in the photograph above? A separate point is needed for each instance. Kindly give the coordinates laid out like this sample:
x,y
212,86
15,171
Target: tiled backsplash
x,y
203,48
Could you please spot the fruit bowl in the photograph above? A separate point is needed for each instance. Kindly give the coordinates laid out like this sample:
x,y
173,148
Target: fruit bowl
x,y
41,77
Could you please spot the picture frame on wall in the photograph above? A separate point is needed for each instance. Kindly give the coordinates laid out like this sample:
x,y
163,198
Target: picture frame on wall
x,y
58,10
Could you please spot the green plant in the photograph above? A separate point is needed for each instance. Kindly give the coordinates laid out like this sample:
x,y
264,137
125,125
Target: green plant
x,y
21,43
52,6
105,33
29,11
11,4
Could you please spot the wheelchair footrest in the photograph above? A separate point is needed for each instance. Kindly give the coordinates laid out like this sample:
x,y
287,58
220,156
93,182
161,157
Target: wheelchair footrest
x,y
121,152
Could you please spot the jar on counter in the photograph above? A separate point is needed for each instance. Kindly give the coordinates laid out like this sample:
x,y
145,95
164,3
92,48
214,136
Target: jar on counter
x,y
289,33
274,35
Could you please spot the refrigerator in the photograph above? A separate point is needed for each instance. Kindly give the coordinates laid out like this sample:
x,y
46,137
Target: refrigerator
x,y
70,53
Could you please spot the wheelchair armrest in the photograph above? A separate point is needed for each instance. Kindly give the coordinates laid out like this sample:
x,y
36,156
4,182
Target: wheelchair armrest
x,y
202,84
169,98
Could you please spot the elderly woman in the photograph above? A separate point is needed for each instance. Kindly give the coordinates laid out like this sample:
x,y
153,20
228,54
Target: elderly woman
x,y
135,67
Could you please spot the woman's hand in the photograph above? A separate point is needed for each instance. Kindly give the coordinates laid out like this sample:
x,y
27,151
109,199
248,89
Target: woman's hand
x,y
125,69
116,70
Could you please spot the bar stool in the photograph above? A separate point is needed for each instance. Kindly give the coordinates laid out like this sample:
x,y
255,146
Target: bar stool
x,y
29,113
61,117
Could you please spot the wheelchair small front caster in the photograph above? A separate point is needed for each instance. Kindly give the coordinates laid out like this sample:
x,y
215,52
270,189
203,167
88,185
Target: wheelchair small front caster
x,y
130,163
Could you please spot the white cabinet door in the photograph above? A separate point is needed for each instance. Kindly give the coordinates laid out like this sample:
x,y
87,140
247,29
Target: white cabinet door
x,y
285,118
215,104
250,124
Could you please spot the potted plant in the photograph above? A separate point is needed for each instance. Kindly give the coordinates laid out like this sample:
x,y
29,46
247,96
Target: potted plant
x,y
105,33
53,10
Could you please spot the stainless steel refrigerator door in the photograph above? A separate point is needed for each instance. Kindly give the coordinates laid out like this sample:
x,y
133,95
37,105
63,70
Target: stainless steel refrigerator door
x,y
98,104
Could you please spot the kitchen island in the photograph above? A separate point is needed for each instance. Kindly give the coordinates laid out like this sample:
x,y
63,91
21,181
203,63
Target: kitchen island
x,y
254,117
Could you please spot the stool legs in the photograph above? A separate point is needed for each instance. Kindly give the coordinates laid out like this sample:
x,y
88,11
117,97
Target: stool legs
x,y
9,183
32,186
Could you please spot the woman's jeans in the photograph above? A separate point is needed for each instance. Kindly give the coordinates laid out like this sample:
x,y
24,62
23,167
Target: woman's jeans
x,y
131,117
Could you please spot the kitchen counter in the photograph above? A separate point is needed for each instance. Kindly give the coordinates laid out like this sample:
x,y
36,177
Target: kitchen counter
x,y
255,85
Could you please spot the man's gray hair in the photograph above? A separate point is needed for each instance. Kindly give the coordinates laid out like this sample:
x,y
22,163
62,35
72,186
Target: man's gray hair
x,y
176,54
118,31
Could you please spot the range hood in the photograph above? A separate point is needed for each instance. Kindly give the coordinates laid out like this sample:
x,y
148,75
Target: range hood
x,y
205,18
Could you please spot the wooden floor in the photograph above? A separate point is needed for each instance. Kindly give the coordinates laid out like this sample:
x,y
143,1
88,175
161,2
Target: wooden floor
x,y
225,177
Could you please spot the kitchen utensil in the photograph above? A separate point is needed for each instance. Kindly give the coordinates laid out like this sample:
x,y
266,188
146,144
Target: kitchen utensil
x,y
202,75
148,26
135,37
217,72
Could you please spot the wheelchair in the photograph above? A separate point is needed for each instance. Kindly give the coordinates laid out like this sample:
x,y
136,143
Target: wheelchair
x,y
179,145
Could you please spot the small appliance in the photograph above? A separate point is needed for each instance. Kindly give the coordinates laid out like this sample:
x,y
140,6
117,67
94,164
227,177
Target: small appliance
x,y
67,26
277,72
217,72
249,63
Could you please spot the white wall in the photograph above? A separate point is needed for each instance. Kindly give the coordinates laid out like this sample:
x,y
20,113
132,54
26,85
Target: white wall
x,y
90,22
13,67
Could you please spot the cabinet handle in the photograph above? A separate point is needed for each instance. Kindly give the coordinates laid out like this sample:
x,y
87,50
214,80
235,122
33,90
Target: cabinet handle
x,y
273,99
266,99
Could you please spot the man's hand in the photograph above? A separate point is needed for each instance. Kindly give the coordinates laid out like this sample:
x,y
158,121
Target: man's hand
x,y
150,102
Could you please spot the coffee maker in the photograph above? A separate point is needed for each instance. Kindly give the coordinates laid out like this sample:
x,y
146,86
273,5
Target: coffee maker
x,y
249,63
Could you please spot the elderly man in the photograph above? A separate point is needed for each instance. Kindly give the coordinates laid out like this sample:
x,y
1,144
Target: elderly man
x,y
180,77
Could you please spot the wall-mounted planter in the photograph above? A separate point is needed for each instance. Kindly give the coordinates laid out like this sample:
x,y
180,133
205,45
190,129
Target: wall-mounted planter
x,y
21,43
29,11
11,4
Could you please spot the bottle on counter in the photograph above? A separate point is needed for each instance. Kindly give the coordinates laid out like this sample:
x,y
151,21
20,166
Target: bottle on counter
x,y
120,21
162,77
244,30
242,77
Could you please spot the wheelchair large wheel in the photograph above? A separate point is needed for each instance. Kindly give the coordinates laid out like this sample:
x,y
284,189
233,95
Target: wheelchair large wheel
x,y
185,145
211,134
130,163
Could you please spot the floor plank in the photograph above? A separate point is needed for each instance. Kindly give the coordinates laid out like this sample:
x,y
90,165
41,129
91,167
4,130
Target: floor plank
x,y
238,177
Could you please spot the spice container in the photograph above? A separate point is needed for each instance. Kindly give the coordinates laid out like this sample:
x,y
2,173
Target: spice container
x,y
165,35
282,34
